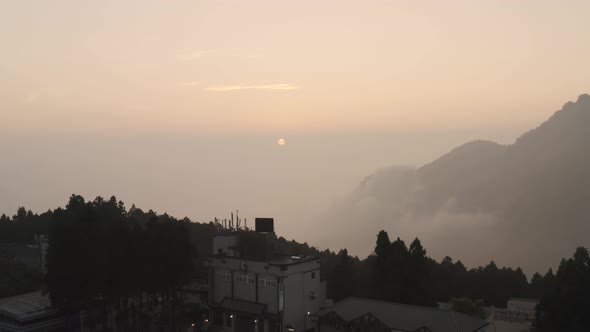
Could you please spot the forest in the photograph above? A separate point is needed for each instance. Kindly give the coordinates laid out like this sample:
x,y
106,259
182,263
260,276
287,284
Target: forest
x,y
100,252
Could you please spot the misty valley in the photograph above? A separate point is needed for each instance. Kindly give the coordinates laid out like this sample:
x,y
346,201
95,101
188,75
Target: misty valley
x,y
294,166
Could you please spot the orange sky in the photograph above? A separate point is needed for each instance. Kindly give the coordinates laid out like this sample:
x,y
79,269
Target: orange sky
x,y
288,66
178,106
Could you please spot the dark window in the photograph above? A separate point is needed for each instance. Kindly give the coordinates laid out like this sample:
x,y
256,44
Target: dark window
x,y
313,275
219,251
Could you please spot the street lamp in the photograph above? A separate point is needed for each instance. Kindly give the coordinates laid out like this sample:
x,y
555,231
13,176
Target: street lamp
x,y
308,314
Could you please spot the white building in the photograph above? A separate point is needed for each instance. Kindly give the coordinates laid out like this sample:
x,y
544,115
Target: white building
x,y
252,289
517,317
525,307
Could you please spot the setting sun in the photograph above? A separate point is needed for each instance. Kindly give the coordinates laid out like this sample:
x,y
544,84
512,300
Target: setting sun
x,y
139,165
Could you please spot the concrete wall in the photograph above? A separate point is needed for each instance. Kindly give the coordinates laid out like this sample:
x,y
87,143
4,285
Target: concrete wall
x,y
244,291
298,299
226,244
269,294
298,281
221,287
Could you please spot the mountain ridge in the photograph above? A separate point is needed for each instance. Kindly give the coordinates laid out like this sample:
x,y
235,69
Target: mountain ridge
x,y
487,195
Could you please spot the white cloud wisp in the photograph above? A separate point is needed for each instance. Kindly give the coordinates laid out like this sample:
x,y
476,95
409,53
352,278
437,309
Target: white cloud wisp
x,y
282,86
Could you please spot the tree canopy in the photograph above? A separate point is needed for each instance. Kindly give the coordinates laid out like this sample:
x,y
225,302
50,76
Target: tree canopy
x,y
566,303
100,251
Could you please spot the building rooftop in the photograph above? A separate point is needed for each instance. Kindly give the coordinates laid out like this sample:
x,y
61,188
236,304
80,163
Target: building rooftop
x,y
26,306
278,260
289,260
405,317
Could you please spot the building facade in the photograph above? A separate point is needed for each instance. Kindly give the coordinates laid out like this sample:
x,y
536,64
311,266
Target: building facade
x,y
524,307
259,290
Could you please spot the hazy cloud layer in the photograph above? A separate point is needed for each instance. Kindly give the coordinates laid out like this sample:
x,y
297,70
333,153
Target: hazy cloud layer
x,y
390,200
523,204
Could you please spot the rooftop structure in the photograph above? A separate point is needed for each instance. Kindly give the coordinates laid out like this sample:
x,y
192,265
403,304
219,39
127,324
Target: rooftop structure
x,y
353,313
29,312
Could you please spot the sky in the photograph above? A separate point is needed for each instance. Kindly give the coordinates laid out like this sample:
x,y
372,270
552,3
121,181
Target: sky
x,y
178,105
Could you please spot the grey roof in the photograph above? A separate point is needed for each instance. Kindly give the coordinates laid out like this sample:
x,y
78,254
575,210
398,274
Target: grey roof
x,y
26,306
406,317
277,260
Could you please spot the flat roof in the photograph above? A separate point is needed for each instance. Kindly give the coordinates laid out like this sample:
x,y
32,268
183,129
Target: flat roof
x,y
279,260
288,260
27,306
